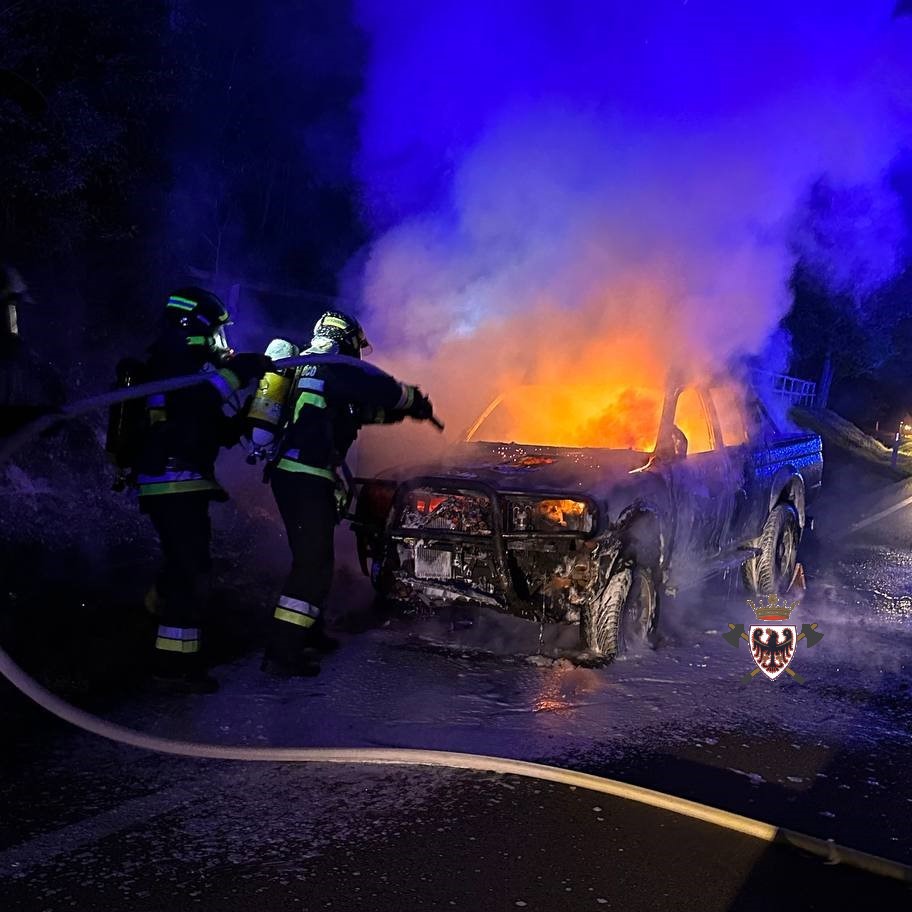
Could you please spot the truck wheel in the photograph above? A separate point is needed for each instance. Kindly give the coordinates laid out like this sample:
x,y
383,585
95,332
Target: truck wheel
x,y
772,569
623,613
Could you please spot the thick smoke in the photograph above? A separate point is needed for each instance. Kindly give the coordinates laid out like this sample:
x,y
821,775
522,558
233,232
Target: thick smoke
x,y
557,187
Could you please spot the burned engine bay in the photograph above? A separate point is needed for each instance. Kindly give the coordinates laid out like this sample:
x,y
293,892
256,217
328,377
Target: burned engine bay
x,y
534,555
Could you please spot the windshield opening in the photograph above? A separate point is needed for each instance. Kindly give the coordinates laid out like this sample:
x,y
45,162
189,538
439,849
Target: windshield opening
x,y
573,416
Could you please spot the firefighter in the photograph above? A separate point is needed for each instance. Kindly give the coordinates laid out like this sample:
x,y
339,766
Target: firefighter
x,y
29,386
309,482
175,470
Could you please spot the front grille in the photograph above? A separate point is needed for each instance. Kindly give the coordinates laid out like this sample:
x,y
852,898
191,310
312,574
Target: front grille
x,y
431,563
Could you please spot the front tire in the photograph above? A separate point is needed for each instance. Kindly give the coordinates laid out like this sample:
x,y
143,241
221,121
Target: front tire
x,y
771,571
623,614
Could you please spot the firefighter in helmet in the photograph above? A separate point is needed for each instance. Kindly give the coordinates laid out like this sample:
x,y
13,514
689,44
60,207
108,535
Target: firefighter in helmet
x,y
330,405
174,469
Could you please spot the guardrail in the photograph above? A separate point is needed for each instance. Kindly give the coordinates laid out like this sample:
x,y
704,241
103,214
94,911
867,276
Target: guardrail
x,y
793,390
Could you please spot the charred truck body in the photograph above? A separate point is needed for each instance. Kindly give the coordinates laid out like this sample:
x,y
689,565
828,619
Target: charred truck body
x,y
688,481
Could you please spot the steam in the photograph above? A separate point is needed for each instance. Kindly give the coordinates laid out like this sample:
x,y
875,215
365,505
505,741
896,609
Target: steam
x,y
553,184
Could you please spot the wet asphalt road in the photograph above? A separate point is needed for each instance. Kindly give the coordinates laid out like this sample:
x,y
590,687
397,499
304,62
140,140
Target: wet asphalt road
x,y
87,824
217,836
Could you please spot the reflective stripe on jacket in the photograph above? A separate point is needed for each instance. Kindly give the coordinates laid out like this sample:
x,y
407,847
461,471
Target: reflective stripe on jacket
x,y
332,402
290,462
185,428
175,481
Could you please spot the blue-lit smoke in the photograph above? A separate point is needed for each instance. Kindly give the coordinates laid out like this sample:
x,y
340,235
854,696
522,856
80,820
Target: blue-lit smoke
x,y
602,164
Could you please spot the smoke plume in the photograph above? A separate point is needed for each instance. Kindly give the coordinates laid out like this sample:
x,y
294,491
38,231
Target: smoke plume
x,y
557,188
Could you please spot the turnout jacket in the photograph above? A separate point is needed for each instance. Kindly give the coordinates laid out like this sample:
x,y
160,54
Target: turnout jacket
x,y
331,404
185,428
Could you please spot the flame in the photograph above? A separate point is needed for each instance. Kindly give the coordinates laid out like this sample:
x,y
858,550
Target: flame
x,y
578,389
557,511
427,503
573,416
593,378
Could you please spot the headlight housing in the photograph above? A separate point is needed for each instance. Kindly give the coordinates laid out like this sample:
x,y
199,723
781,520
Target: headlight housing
x,y
551,514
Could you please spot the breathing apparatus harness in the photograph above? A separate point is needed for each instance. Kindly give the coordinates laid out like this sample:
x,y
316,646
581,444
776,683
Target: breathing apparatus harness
x,y
269,413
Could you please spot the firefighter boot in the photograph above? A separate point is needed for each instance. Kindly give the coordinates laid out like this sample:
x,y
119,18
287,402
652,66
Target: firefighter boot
x,y
181,674
297,653
321,641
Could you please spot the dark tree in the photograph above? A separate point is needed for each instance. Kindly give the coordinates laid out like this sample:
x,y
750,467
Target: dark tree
x,y
849,305
74,172
175,134
263,145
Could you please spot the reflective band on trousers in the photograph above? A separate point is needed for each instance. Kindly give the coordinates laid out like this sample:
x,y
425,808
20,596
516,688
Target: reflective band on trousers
x,y
296,611
291,465
178,639
171,474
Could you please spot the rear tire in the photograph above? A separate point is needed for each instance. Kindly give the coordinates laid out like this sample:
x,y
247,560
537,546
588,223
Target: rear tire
x,y
771,571
622,614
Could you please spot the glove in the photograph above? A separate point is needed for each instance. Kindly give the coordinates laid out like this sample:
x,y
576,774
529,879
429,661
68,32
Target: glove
x,y
249,366
421,408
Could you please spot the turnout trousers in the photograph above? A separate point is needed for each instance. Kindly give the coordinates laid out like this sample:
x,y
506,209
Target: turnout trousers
x,y
184,531
307,506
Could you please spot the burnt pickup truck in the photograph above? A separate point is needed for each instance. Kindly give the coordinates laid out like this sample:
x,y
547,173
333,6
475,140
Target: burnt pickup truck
x,y
583,506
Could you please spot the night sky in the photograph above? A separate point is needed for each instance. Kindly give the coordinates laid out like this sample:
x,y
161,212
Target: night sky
x,y
449,168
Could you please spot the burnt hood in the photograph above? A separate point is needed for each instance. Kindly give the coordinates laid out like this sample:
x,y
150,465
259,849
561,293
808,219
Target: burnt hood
x,y
514,467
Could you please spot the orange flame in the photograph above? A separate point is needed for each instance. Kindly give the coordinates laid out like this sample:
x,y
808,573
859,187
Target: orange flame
x,y
590,377
573,416
597,393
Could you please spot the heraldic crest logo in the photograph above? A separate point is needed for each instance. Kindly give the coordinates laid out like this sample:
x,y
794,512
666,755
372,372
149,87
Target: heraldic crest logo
x,y
772,644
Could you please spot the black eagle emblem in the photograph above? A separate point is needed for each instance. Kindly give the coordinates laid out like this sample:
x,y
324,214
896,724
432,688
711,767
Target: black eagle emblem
x,y
773,655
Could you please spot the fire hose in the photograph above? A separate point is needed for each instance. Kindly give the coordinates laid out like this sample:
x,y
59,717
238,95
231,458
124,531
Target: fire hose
x,y
30,688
